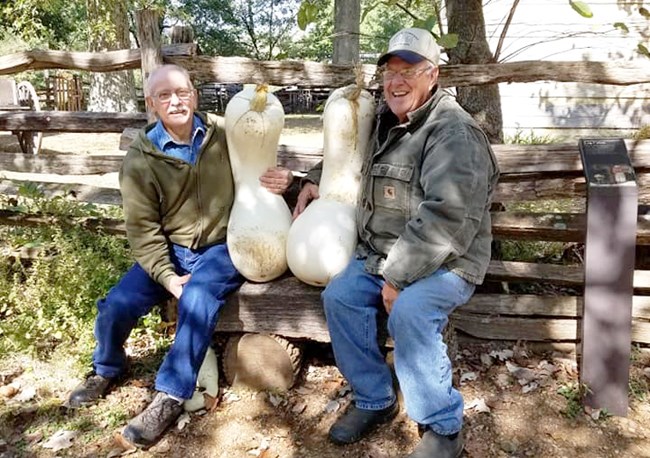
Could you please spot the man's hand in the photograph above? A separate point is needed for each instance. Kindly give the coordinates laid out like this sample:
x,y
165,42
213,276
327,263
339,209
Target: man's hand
x,y
389,294
277,179
308,193
176,284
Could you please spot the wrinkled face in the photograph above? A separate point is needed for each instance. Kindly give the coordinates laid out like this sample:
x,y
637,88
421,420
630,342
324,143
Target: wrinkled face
x,y
407,86
173,99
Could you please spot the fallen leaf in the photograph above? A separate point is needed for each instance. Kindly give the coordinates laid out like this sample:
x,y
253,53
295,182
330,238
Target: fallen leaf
x,y
261,451
299,408
479,405
211,402
141,383
344,390
503,380
332,406
486,359
502,355
34,437
275,400
183,421
61,439
530,387
522,374
8,391
126,446
468,377
25,395
230,396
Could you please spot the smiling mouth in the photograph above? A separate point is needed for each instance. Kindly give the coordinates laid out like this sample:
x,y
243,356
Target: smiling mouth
x,y
398,94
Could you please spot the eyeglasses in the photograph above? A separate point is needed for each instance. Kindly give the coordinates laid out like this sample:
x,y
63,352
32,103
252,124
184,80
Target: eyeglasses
x,y
166,96
407,74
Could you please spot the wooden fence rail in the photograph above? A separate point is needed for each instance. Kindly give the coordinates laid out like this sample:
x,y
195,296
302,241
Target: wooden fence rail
x,y
315,74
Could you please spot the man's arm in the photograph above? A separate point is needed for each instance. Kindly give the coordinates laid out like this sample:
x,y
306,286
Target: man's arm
x,y
143,221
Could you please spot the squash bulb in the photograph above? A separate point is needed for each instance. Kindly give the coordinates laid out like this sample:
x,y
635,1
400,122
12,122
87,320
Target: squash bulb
x,y
323,238
207,382
259,220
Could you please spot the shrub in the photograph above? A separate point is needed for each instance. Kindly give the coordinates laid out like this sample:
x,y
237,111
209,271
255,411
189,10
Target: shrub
x,y
49,298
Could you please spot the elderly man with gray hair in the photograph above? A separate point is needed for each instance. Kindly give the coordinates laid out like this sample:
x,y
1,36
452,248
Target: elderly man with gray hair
x,y
177,192
424,231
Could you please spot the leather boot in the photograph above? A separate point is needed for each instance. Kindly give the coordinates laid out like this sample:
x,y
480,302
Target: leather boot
x,y
433,445
356,423
93,388
145,429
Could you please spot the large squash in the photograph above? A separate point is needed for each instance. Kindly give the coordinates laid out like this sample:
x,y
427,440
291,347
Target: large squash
x,y
259,220
322,239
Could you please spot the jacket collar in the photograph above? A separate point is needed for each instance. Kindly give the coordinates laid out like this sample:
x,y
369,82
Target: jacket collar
x,y
415,117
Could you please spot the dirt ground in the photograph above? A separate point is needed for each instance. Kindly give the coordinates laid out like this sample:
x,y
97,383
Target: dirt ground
x,y
517,403
513,408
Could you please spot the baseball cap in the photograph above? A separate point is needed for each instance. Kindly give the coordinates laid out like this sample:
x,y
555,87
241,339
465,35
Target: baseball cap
x,y
412,45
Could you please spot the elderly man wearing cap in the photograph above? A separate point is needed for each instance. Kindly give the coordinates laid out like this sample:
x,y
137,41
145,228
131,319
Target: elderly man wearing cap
x,y
424,243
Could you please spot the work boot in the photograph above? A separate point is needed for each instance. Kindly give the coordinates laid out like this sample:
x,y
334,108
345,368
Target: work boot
x,y
356,423
146,428
93,388
433,445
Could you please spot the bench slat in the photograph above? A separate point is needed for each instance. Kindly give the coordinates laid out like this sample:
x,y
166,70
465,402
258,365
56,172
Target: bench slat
x,y
562,227
285,306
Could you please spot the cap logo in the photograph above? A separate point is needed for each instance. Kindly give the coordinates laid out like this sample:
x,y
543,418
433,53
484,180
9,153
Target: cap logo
x,y
403,38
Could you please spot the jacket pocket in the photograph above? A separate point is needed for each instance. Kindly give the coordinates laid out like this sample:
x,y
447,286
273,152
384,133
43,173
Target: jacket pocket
x,y
392,186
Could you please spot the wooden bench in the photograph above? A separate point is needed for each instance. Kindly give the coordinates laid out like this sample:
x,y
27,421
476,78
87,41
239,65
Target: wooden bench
x,y
539,302
19,98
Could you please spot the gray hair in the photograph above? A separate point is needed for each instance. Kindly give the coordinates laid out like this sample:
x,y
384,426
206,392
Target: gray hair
x,y
162,70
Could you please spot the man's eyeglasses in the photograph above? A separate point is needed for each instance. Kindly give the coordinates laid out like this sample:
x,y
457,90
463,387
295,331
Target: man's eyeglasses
x,y
407,74
166,96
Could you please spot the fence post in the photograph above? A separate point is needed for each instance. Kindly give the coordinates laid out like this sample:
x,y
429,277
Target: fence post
x,y
610,244
151,55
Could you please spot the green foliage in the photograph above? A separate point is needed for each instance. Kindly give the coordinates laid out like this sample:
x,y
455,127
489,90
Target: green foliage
x,y
581,8
252,28
52,24
49,298
531,138
307,13
574,393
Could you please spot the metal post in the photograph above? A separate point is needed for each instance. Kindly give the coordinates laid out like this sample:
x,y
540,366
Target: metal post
x,y
609,270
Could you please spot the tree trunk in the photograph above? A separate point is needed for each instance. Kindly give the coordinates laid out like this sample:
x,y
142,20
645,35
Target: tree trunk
x,y
347,15
149,38
109,30
465,18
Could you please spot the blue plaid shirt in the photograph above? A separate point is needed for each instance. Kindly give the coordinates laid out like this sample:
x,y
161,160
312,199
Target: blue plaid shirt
x,y
187,152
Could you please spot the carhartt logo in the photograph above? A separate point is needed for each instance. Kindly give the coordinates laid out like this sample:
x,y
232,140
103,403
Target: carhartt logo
x,y
389,192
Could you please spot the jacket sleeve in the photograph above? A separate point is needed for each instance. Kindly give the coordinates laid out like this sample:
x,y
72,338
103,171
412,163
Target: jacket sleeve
x,y
140,199
455,178
314,174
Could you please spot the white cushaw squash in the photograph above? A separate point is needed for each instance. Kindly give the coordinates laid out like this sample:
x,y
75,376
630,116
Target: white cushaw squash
x,y
259,220
206,383
323,238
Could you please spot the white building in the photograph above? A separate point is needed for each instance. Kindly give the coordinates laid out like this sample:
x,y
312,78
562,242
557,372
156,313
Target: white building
x,y
551,30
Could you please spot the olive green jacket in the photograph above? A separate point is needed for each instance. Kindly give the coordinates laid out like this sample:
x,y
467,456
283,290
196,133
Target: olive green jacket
x,y
169,201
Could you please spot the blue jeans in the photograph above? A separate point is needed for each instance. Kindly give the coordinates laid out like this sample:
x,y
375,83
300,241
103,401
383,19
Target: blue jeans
x,y
352,301
213,278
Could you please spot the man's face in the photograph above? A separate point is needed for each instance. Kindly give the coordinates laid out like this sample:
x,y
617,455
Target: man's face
x,y
172,99
408,86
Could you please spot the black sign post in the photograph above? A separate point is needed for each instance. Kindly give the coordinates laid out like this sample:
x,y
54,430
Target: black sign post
x,y
609,270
